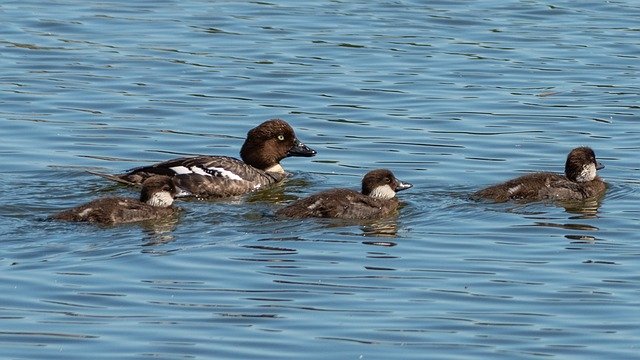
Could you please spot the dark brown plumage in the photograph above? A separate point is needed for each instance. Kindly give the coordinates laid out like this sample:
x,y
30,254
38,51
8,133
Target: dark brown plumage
x,y
376,200
580,182
155,202
222,176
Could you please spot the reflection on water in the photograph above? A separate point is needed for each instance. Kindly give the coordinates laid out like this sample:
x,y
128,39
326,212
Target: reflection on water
x,y
587,209
160,231
581,238
569,226
382,228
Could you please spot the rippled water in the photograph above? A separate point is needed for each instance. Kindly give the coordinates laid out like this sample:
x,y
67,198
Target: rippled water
x,y
451,96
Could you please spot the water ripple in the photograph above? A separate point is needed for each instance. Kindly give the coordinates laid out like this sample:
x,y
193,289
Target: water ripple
x,y
448,98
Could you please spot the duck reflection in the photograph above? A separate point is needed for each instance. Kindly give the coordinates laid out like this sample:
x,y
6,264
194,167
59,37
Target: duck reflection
x,y
276,194
587,209
579,210
581,238
158,232
569,226
384,228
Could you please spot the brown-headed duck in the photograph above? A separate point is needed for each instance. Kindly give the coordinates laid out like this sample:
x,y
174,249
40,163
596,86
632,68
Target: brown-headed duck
x,y
377,199
223,176
579,182
156,199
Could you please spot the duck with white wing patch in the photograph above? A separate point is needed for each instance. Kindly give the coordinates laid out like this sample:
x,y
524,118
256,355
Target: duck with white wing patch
x,y
223,176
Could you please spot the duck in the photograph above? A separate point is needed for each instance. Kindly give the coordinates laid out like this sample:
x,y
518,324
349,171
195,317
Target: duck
x,y
376,200
207,176
580,181
156,200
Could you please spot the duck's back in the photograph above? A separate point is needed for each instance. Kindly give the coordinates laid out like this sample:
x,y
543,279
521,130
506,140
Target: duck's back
x,y
340,204
114,210
208,176
542,186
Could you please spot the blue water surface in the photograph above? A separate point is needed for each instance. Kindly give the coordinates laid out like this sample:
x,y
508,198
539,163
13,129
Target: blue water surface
x,y
451,96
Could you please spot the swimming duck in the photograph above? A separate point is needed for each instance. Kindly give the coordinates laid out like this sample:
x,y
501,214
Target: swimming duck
x,y
377,199
156,199
579,182
223,176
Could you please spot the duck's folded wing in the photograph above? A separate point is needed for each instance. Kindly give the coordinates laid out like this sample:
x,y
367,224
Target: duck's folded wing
x,y
366,207
136,211
338,203
207,186
218,166
526,187
565,190
212,166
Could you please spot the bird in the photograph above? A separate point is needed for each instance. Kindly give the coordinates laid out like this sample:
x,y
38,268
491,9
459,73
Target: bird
x,y
579,182
377,199
155,202
207,176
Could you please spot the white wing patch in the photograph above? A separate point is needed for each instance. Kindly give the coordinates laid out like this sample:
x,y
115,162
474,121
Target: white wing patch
x,y
210,171
179,170
314,205
85,212
216,171
199,171
512,190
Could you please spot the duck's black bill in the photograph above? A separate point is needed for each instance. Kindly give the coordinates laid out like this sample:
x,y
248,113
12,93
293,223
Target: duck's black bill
x,y
599,165
300,149
403,186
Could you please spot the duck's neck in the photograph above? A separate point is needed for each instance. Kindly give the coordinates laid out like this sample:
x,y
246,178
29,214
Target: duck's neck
x,y
277,168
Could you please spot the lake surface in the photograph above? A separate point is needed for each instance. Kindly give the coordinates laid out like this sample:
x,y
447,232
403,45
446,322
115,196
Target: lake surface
x,y
451,96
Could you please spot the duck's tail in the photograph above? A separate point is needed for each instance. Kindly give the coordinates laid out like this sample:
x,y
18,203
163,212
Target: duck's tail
x,y
116,178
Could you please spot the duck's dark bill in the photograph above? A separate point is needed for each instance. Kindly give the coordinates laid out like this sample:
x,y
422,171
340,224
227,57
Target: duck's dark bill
x,y
300,149
403,186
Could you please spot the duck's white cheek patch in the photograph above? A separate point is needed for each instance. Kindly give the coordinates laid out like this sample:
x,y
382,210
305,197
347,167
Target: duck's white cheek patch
x,y
223,173
384,191
161,199
588,173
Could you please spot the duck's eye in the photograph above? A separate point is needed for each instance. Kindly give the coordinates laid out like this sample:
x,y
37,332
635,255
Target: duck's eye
x,y
281,137
387,180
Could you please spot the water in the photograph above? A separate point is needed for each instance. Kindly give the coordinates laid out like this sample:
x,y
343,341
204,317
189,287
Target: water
x,y
451,96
